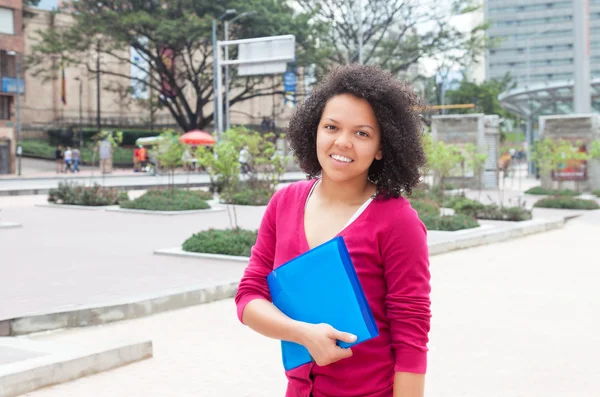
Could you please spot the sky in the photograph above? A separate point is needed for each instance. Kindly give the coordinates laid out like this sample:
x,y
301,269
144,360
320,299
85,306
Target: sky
x,y
48,4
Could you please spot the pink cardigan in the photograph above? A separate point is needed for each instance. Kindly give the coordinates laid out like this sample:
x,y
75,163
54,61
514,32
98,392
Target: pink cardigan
x,y
388,246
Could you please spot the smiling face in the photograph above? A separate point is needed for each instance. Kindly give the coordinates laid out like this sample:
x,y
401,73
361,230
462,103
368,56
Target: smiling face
x,y
348,139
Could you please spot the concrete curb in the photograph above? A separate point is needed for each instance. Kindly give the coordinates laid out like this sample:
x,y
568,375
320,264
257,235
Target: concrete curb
x,y
77,207
9,225
124,309
179,252
495,236
167,213
66,365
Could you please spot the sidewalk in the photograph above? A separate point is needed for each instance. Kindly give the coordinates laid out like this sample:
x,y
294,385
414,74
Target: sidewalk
x,y
509,319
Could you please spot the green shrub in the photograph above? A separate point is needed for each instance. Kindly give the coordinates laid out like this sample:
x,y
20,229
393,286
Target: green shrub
x,y
425,207
567,203
513,214
236,242
465,205
538,190
250,197
170,200
43,150
476,209
70,135
449,223
596,193
96,195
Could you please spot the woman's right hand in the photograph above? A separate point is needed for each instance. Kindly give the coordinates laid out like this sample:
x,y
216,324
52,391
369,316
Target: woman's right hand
x,y
321,342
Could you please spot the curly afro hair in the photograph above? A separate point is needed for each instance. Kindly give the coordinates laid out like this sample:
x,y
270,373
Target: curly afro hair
x,y
394,104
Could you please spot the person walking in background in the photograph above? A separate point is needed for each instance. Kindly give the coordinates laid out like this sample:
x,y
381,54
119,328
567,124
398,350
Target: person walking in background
x,y
105,154
68,159
76,156
245,160
58,157
136,160
142,157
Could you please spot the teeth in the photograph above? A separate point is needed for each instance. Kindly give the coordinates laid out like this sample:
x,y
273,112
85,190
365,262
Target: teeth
x,y
341,158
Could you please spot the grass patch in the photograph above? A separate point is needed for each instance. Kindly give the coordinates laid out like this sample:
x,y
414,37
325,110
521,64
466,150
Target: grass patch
x,y
538,190
92,196
596,193
170,200
567,203
237,242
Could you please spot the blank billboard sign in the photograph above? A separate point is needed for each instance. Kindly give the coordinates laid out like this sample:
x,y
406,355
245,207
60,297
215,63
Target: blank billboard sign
x,y
276,52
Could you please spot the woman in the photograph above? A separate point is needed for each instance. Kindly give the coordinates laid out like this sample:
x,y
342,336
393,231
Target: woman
x,y
358,138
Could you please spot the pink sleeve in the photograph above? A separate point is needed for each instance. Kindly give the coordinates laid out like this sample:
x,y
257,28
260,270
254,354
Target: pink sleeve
x,y
407,303
254,281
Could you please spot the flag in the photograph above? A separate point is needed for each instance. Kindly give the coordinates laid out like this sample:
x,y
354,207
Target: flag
x,y
63,86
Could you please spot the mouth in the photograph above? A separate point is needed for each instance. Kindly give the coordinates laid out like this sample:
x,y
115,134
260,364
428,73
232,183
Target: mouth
x,y
341,159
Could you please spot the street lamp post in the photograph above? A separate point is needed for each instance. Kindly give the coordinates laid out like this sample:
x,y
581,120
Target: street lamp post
x,y
214,45
227,115
18,94
80,112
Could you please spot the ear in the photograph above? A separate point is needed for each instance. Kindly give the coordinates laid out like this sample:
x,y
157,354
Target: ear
x,y
379,155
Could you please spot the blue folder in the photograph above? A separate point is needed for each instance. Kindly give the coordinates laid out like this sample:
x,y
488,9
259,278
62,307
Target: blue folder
x,y
321,286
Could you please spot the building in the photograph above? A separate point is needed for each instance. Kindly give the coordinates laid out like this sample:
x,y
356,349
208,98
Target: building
x,y
536,39
11,52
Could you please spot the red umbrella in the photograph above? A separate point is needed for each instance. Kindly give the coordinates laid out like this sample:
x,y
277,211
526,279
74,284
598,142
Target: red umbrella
x,y
197,137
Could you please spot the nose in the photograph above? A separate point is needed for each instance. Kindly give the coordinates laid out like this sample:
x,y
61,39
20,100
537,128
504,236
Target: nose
x,y
343,140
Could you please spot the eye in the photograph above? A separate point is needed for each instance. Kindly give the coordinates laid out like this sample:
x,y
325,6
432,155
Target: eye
x,y
362,133
330,127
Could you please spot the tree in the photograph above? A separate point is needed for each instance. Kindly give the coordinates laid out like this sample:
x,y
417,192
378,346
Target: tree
x,y
442,159
168,153
174,40
475,161
396,33
483,95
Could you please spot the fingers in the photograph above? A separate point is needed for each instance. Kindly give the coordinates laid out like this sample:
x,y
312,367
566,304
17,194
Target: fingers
x,y
343,353
343,336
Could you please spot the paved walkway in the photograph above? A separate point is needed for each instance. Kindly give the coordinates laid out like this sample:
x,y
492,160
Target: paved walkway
x,y
512,319
63,259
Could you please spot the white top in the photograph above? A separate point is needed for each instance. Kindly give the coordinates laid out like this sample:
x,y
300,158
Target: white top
x,y
356,214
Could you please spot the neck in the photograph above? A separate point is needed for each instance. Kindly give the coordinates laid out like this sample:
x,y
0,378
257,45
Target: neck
x,y
350,192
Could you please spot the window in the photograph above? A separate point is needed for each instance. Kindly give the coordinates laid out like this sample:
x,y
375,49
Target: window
x,y
5,107
7,21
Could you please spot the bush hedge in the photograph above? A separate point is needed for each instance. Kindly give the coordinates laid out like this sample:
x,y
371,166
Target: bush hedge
x,y
76,194
236,242
567,203
449,223
43,150
69,136
596,193
476,209
538,190
170,200
425,207
250,197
